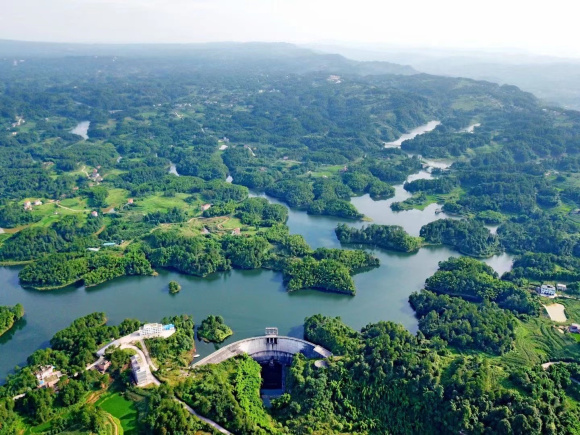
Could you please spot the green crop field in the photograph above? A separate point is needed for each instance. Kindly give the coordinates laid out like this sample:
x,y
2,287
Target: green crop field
x,y
162,203
121,408
538,341
117,197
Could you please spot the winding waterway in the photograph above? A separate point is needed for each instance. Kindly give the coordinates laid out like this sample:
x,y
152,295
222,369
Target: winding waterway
x,y
82,129
425,128
248,300
173,169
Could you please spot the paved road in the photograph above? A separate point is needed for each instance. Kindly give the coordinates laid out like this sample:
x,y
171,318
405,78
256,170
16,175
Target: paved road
x,y
97,362
126,343
205,420
131,338
147,357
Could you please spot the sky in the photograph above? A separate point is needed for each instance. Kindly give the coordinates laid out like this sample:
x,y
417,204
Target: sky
x,y
535,26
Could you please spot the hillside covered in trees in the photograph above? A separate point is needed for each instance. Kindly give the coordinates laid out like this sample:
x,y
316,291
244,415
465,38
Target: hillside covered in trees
x,y
181,144
9,315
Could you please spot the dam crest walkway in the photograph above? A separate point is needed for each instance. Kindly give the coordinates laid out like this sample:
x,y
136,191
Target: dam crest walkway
x,y
263,349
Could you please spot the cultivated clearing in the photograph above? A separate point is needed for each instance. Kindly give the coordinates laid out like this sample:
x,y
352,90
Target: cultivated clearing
x,y
556,312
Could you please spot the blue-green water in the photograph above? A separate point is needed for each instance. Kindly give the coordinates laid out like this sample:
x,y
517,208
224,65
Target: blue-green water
x,y
248,300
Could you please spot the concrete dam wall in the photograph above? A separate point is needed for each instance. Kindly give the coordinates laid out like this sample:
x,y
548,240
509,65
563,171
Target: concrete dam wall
x,y
263,349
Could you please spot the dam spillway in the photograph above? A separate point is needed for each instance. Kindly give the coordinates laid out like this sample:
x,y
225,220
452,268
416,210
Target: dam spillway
x,y
267,348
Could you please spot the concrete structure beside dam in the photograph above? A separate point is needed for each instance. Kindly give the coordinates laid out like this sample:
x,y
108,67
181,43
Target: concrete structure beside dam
x,y
270,347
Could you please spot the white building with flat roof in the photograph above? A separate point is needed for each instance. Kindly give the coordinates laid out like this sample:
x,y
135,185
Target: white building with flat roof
x,y
561,287
140,372
547,290
150,329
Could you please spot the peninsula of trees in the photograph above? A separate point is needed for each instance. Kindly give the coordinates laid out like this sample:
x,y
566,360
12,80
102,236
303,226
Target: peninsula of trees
x,y
9,316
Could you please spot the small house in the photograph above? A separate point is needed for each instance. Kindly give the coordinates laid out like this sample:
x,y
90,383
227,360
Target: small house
x,y
205,207
561,287
574,328
43,372
27,205
130,201
47,377
94,213
547,290
236,232
103,366
38,202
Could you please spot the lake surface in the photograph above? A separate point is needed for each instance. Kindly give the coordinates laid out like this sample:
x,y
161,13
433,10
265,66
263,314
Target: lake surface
x,y
425,128
82,129
471,128
248,300
173,169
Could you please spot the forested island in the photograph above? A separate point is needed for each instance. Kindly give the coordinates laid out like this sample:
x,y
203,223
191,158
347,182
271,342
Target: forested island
x,y
174,287
214,329
384,236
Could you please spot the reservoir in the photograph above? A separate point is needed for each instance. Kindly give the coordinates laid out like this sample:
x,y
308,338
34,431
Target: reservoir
x,y
425,128
173,169
249,301
82,129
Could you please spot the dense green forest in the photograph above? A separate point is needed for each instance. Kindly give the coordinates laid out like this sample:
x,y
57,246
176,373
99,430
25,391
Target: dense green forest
x,y
177,349
469,237
357,390
214,329
299,137
236,122
390,381
384,236
9,315
473,280
71,407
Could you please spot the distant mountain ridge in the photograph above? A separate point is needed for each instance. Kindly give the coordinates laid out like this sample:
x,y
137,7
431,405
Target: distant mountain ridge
x,y
552,79
291,58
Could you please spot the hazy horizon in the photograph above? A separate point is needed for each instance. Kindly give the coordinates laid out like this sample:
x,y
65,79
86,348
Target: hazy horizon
x,y
497,26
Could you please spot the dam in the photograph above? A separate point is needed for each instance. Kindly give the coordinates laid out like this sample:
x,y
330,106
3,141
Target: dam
x,y
271,351
264,349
